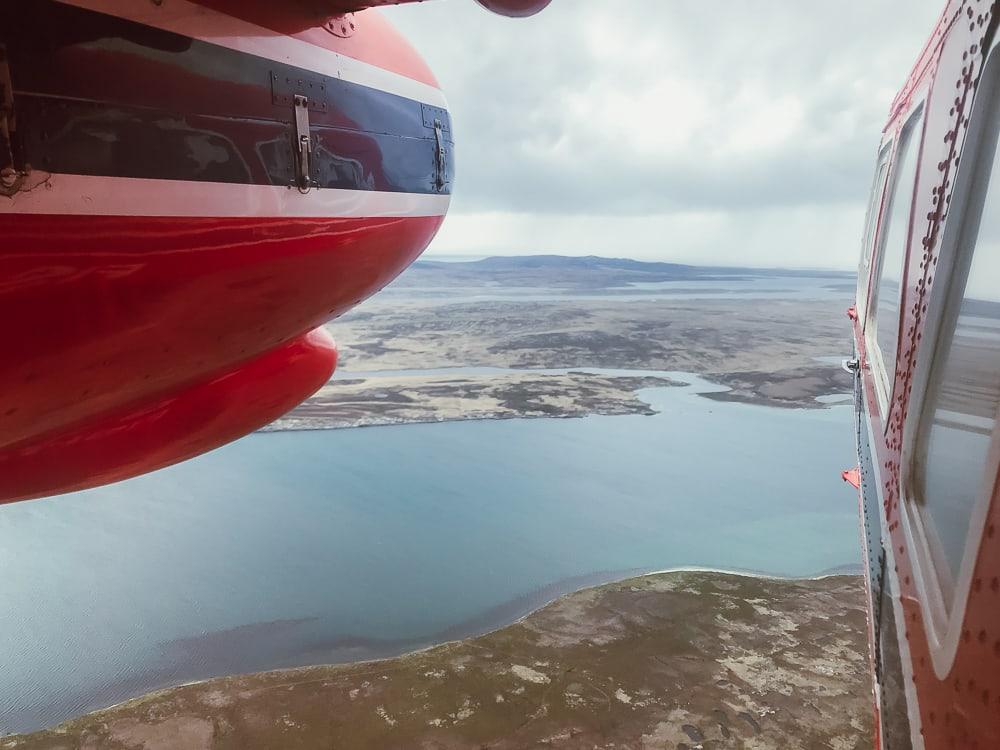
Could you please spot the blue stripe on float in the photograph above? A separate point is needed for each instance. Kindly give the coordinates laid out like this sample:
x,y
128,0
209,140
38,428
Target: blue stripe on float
x,y
98,95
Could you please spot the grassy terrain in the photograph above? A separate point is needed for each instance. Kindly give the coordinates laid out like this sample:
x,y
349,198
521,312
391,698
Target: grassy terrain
x,y
674,660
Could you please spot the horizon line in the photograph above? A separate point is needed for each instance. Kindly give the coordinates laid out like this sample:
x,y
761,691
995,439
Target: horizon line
x,y
474,257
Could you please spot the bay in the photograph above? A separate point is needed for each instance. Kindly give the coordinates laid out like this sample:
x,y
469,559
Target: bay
x,y
299,548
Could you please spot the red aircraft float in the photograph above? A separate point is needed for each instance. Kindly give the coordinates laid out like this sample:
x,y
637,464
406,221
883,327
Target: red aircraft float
x,y
189,189
927,390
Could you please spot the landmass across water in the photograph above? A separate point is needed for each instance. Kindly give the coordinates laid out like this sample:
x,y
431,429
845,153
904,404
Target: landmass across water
x,y
770,337
676,660
531,350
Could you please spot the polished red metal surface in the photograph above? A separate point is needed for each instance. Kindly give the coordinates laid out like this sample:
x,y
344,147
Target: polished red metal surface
x,y
191,188
170,426
106,313
159,275
373,40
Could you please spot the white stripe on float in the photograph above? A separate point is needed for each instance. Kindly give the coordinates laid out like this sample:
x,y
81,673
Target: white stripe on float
x,y
206,25
68,194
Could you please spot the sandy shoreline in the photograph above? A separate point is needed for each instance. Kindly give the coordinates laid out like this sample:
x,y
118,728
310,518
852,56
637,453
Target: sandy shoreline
x,y
407,399
388,399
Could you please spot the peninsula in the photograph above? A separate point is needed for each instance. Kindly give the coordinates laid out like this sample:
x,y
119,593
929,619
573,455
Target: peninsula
x,y
672,661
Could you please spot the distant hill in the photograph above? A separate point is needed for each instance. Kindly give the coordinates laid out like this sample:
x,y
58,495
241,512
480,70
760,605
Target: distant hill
x,y
589,262
590,271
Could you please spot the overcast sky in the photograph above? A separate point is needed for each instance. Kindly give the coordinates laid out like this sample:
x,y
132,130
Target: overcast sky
x,y
730,133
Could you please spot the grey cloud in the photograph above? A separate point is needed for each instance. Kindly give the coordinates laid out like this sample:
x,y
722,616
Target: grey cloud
x,y
669,107
511,84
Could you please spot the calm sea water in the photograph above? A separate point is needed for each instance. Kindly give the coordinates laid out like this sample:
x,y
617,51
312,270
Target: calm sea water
x,y
312,547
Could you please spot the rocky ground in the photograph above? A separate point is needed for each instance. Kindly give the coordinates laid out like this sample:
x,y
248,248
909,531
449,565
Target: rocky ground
x,y
678,661
550,312
705,336
361,402
765,351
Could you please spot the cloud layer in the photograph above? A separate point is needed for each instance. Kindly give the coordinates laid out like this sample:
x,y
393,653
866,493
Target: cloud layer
x,y
713,133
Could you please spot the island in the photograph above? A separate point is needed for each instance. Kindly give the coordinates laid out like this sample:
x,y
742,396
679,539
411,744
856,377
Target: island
x,y
673,661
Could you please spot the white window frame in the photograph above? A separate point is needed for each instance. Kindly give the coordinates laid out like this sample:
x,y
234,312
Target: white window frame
x,y
883,379
876,200
943,602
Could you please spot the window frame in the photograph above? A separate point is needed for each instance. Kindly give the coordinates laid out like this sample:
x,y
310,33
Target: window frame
x,y
913,127
943,606
873,216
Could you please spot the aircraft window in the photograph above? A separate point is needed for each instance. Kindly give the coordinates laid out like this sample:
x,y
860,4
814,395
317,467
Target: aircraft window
x,y
871,221
885,316
954,471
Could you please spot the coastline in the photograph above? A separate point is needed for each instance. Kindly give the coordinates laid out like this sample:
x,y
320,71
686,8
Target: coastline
x,y
762,341
549,355
536,601
389,397
728,346
241,644
546,634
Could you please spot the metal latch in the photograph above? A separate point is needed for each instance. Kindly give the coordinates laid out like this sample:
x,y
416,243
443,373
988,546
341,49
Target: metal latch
x,y
851,365
303,141
439,180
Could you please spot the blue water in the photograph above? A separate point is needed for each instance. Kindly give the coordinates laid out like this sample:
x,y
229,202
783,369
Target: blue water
x,y
311,547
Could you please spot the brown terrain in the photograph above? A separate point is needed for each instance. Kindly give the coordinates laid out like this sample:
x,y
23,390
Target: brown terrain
x,y
397,399
673,661
765,351
678,661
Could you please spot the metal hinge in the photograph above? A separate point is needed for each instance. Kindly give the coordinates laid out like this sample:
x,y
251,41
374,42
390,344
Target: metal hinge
x,y
441,155
303,142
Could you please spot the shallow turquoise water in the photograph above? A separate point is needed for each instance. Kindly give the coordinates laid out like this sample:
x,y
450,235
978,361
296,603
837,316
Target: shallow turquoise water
x,y
309,547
